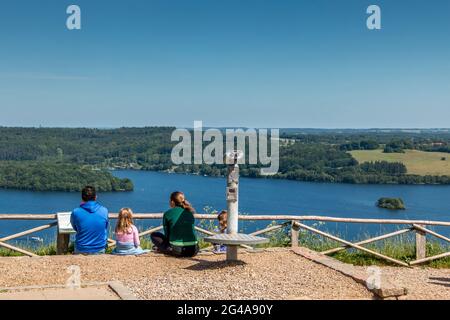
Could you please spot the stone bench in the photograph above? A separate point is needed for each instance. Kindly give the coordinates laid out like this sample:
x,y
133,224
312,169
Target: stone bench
x,y
236,239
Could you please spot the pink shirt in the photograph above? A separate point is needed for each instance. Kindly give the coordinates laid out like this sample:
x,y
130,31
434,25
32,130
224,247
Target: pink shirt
x,y
133,236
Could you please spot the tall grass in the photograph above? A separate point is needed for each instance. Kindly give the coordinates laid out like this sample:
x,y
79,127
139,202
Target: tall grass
x,y
42,250
401,247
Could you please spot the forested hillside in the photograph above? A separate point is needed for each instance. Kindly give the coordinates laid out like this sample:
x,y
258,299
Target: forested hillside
x,y
27,155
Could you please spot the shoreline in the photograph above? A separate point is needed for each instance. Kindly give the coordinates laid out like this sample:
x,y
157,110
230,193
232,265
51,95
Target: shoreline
x,y
280,178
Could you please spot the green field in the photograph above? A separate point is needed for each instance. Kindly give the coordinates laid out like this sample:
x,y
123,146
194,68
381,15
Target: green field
x,y
417,162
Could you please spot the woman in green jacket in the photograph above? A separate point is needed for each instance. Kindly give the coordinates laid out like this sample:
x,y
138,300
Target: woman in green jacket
x,y
179,238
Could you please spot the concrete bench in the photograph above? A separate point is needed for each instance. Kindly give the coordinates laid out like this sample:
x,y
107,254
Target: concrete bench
x,y
236,239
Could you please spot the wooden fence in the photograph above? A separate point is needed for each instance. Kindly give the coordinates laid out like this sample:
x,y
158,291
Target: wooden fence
x,y
419,227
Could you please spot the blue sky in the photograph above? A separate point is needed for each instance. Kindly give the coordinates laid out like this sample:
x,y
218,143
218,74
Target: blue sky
x,y
271,63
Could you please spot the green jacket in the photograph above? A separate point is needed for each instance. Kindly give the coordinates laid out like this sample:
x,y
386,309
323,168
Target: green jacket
x,y
179,227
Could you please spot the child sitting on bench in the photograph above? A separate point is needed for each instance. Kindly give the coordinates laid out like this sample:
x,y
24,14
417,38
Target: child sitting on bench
x,y
127,235
222,218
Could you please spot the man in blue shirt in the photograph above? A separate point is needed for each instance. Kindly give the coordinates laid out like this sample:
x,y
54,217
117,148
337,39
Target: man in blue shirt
x,y
90,221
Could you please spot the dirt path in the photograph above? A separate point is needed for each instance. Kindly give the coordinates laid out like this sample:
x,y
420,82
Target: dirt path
x,y
274,274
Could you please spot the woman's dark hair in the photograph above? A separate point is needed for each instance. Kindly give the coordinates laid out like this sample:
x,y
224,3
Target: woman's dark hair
x,y
178,199
88,194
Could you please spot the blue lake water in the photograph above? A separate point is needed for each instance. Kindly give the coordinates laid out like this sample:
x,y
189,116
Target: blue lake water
x,y
257,196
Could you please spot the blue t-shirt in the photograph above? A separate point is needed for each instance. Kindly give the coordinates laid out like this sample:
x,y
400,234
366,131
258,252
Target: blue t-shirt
x,y
90,221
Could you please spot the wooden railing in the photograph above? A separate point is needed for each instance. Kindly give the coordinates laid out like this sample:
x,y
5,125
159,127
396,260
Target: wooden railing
x,y
295,223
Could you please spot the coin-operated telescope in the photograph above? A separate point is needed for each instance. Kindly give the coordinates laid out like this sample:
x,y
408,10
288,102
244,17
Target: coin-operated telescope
x,y
233,238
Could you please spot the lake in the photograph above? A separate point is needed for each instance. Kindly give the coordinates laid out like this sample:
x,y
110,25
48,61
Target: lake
x,y
257,196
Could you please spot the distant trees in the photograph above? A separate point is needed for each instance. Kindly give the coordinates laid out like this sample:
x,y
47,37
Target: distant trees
x,y
317,156
435,147
384,167
86,146
360,145
398,146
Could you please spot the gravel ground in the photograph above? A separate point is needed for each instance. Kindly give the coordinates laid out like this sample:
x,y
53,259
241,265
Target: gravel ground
x,y
422,283
272,274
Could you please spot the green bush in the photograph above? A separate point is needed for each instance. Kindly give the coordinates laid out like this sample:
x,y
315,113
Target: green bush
x,y
391,203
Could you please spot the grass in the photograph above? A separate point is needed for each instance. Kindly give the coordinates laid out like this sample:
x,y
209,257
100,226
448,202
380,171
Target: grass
x,y
417,162
401,248
44,250
405,252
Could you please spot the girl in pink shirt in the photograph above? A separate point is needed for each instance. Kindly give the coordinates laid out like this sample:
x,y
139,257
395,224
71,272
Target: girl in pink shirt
x,y
127,235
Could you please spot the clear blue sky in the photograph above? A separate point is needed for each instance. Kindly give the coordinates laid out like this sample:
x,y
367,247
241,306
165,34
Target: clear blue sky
x,y
271,63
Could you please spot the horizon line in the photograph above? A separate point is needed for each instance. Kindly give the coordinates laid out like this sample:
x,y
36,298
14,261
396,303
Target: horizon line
x,y
228,127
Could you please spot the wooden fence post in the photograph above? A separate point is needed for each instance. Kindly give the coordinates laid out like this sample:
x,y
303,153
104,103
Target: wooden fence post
x,y
421,244
294,234
62,243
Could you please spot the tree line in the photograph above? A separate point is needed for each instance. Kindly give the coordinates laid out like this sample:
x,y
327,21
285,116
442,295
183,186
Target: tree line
x,y
77,156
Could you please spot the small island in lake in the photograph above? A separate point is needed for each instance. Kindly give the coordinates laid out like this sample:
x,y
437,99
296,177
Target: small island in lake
x,y
391,203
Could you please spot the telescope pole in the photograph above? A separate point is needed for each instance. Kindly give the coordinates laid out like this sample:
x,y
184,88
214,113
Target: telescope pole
x,y
233,207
